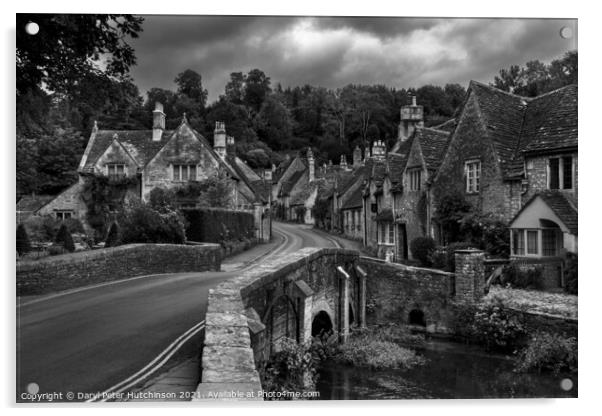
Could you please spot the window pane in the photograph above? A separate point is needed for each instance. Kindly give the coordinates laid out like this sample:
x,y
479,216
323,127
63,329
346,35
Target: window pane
x,y
120,169
176,172
184,173
549,242
532,242
554,173
567,174
193,172
518,237
391,234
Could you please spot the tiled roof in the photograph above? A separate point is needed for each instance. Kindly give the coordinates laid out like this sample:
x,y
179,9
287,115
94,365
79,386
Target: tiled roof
x,y
355,200
287,186
503,117
33,202
563,208
396,163
433,144
551,121
447,126
301,196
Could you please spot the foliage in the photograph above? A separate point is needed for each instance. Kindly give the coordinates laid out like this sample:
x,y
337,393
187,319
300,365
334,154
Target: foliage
x,y
300,213
422,250
56,249
140,223
291,369
521,277
451,210
218,226
487,232
64,238
45,228
70,46
366,351
320,211
548,352
114,236
571,274
497,327
444,258
537,78
23,244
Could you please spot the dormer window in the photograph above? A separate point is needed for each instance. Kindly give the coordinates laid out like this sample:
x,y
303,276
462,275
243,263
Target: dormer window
x,y
183,173
560,172
414,176
473,176
116,170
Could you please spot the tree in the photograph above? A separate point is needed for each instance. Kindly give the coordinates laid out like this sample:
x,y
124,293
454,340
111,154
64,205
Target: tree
x,y
320,211
63,237
235,88
273,124
114,236
70,46
190,84
257,88
23,244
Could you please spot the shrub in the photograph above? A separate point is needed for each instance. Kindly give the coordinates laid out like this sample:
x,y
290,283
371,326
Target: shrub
x,y
63,237
23,244
218,225
142,224
377,354
162,200
300,213
445,258
422,250
114,236
548,352
487,232
56,249
292,368
497,327
521,277
570,274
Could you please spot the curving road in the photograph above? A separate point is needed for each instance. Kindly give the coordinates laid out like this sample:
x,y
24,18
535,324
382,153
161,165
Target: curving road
x,y
89,340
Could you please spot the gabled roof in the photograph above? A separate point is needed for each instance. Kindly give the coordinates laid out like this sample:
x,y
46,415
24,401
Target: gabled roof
x,y
447,126
301,196
287,186
433,144
355,200
551,121
33,202
559,204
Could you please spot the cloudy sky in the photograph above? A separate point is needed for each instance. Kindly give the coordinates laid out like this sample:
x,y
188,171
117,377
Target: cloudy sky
x,y
332,51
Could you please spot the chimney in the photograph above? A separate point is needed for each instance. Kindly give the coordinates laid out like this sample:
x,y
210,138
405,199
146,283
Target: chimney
x,y
412,117
158,121
311,163
219,139
230,148
343,163
357,157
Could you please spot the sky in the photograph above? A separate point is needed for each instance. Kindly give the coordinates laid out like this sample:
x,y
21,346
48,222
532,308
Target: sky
x,y
335,51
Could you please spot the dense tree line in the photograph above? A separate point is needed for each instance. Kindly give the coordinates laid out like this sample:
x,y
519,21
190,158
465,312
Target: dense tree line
x,y
57,104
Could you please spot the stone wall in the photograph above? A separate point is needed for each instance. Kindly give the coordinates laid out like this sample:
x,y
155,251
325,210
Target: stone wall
x,y
72,270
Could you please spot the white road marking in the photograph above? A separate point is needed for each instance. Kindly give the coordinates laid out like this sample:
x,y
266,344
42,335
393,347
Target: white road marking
x,y
152,366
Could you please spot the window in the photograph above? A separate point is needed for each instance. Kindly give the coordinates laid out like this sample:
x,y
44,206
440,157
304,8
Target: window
x,y
414,179
532,242
386,233
183,173
560,172
391,234
549,242
115,170
63,215
473,176
518,242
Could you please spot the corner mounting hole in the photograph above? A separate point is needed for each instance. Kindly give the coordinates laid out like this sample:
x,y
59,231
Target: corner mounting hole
x,y
32,28
566,32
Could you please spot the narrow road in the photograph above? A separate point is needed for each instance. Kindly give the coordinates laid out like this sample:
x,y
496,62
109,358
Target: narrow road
x,y
87,341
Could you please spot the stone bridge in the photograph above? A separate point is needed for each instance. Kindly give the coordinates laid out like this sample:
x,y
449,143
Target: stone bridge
x,y
314,291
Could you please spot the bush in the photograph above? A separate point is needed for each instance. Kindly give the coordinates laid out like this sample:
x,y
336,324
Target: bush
x,y
377,354
292,368
570,274
56,249
45,228
548,352
422,250
114,236
142,224
23,244
162,200
487,232
63,237
497,327
520,277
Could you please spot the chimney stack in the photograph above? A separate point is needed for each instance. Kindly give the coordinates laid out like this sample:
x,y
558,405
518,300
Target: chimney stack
x,y
343,163
357,157
311,163
378,149
219,139
158,122
412,117
230,149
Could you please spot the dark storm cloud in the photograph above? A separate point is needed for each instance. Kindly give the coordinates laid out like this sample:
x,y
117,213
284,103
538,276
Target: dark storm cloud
x,y
332,52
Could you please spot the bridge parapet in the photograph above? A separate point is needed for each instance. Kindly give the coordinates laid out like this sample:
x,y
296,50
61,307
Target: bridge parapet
x,y
293,296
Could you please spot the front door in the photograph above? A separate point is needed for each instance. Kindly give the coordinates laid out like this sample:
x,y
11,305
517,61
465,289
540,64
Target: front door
x,y
402,247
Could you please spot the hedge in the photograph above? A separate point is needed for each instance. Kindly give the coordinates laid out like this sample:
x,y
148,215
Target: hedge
x,y
211,225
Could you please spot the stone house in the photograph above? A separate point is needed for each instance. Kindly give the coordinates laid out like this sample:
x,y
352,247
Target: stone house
x,y
148,159
516,158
